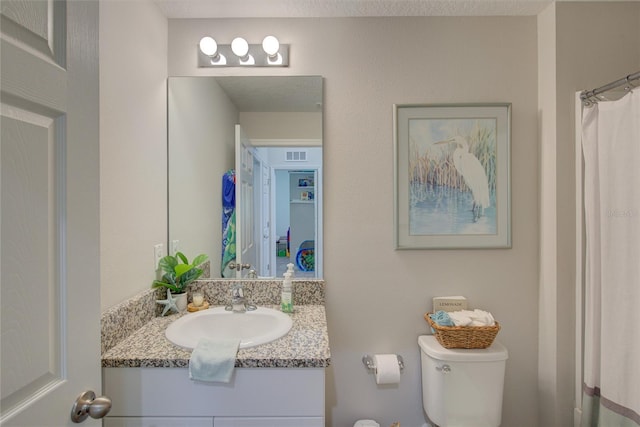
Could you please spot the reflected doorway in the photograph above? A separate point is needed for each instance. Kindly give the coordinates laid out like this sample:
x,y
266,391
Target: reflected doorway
x,y
292,217
295,220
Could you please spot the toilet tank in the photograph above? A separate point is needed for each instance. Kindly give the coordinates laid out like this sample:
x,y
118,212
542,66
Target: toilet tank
x,y
462,387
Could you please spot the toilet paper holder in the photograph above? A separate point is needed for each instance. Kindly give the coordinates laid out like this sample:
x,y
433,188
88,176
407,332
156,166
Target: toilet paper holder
x,y
371,365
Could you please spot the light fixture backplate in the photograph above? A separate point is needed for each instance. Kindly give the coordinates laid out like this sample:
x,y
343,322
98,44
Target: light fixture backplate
x,y
260,57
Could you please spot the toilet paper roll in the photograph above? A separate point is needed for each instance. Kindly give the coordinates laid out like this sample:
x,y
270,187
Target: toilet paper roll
x,y
387,369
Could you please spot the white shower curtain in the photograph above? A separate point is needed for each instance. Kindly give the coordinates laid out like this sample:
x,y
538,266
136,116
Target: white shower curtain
x,y
611,146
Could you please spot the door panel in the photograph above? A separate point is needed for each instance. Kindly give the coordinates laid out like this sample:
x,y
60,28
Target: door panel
x,y
31,319
39,26
246,247
266,248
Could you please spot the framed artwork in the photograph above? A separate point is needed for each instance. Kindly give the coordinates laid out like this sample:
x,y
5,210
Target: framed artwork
x,y
305,182
452,176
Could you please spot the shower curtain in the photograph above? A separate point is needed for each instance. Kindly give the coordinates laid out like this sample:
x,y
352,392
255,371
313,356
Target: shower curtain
x,y
611,368
228,223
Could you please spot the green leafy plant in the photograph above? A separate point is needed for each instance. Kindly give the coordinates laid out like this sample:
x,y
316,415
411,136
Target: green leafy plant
x,y
178,272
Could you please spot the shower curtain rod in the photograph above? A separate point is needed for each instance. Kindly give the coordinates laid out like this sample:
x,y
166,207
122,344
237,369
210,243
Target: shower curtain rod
x,y
590,96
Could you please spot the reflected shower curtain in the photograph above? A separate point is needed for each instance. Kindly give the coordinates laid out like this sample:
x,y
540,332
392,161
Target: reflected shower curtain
x,y
611,146
228,223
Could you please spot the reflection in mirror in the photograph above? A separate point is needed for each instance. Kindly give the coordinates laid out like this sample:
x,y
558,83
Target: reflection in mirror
x,y
264,136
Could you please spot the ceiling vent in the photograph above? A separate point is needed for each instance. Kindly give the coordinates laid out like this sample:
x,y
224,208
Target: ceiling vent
x,y
295,156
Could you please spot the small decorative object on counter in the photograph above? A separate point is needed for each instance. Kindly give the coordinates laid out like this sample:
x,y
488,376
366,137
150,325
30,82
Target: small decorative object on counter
x,y
287,294
192,308
178,273
197,298
169,304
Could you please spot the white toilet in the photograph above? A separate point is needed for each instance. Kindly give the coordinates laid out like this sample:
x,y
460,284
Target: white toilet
x,y
462,387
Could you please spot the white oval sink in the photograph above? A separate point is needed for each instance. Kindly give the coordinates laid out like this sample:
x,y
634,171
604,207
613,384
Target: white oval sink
x,y
253,328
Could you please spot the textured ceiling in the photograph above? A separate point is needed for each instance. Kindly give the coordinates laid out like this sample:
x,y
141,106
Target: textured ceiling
x,y
345,8
274,93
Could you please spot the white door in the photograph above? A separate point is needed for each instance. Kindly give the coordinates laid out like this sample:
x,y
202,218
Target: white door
x,y
267,248
318,223
49,195
246,245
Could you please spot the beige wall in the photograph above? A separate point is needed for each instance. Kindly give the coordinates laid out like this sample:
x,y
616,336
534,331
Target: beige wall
x,y
376,296
133,146
202,123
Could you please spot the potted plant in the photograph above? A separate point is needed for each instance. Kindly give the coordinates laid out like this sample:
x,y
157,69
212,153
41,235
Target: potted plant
x,y
178,273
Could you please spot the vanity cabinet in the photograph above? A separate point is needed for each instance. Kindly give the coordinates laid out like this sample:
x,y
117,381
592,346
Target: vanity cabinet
x,y
269,422
213,422
256,397
157,422
277,384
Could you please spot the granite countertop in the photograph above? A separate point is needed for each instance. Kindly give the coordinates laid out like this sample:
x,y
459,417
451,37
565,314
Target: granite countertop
x,y
306,345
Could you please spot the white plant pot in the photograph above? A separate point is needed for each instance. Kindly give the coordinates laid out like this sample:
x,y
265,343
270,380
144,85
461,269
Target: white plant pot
x,y
181,301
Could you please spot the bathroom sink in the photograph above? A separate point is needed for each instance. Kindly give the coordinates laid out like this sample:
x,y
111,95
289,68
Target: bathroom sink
x,y
253,328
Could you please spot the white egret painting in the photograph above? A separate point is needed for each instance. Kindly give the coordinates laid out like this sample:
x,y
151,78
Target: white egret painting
x,y
452,176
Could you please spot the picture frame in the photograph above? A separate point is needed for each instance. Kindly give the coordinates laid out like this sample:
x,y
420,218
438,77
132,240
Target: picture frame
x,y
305,182
452,176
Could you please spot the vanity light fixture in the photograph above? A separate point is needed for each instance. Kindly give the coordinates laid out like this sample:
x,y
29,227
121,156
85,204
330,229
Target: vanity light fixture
x,y
242,54
209,47
271,46
240,48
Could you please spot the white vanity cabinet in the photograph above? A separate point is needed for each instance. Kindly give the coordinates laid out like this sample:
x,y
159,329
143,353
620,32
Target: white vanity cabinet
x,y
277,384
157,422
256,397
268,422
213,422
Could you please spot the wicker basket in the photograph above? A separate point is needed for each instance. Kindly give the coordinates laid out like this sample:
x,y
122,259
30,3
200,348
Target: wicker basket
x,y
463,336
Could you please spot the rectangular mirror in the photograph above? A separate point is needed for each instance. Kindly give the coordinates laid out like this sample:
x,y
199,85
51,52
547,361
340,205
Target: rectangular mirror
x,y
255,142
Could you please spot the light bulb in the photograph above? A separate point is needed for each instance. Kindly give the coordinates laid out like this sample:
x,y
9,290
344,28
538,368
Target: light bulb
x,y
208,46
271,45
240,47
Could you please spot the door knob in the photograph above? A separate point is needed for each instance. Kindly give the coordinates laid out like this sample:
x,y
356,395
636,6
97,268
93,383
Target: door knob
x,y
87,404
233,265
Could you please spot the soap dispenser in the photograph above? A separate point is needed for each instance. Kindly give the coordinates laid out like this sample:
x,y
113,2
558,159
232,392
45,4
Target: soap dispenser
x,y
287,294
290,270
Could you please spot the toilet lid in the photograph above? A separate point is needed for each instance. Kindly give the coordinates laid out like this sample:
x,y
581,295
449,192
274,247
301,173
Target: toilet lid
x,y
430,345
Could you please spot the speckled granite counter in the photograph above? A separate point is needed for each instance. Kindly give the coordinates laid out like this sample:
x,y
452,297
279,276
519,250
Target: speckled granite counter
x,y
306,345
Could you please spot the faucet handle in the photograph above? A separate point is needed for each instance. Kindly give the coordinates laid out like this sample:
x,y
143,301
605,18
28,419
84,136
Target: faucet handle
x,y
237,291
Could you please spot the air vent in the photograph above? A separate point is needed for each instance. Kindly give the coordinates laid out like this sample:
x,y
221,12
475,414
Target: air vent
x,y
295,156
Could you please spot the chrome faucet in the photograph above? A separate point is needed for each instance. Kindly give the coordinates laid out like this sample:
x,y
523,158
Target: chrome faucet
x,y
238,301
